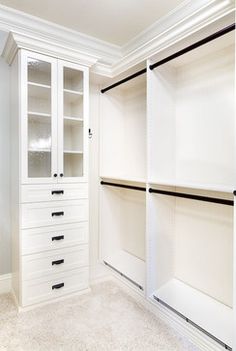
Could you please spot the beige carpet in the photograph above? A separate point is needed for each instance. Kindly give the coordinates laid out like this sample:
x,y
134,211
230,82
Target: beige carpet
x,y
107,319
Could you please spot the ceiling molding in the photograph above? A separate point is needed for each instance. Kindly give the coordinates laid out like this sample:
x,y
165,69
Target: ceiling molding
x,y
17,41
169,31
106,59
33,28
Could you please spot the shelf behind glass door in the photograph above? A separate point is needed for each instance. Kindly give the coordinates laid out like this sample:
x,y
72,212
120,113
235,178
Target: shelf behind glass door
x,y
39,119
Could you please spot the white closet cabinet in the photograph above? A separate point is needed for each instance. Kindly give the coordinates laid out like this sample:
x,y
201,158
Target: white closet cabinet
x,y
192,151
177,242
49,181
54,101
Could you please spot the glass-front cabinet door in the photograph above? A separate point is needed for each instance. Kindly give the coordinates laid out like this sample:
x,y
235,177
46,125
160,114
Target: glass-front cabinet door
x,y
39,118
73,119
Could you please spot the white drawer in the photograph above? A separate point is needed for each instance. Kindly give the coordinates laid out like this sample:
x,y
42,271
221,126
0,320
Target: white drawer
x,y
57,285
51,213
50,262
49,238
56,192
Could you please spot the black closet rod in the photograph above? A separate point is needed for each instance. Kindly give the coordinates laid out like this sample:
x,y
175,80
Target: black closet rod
x,y
139,188
194,46
193,197
132,76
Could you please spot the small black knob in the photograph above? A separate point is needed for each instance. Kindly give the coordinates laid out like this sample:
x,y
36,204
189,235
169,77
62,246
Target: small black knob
x,y
54,175
61,174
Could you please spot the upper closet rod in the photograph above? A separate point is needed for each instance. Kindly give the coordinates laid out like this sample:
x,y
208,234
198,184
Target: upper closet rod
x,y
193,197
194,46
139,73
124,186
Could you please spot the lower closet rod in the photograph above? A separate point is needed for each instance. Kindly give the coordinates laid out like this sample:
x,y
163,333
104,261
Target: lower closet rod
x,y
139,188
193,197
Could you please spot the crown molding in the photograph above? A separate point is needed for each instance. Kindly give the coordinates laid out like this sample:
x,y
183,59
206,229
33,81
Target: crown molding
x,y
189,18
17,41
105,59
37,34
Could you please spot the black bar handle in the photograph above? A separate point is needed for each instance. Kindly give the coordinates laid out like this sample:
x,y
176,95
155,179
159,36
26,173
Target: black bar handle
x,y
58,286
58,214
57,262
59,237
57,192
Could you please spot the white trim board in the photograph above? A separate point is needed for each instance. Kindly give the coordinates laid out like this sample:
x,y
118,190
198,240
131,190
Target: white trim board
x,y
5,283
107,59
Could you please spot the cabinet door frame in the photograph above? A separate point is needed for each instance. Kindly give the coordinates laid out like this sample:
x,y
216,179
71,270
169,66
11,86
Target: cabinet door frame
x,y
61,65
25,179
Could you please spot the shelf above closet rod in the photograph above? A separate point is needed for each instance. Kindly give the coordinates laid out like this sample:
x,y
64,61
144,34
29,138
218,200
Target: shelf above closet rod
x,y
125,186
132,76
194,46
193,197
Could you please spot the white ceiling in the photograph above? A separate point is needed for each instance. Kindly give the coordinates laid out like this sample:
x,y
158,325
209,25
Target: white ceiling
x,y
115,21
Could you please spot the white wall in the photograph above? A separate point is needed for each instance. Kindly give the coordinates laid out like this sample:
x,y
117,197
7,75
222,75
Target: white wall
x,y
5,252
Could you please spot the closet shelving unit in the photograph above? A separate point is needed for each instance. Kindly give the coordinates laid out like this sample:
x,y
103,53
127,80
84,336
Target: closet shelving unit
x,y
188,263
123,175
191,180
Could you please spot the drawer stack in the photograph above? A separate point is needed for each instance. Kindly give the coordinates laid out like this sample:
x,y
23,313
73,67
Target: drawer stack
x,y
54,241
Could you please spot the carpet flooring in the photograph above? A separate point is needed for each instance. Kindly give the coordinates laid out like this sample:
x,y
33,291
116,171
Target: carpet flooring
x,y
107,319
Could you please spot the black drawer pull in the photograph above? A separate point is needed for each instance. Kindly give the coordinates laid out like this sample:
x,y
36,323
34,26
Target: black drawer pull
x,y
58,286
59,237
58,214
57,192
57,262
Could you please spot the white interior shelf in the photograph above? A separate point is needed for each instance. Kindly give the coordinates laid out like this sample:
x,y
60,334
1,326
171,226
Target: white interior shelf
x,y
129,265
73,152
39,150
39,114
140,181
72,120
207,187
206,312
39,85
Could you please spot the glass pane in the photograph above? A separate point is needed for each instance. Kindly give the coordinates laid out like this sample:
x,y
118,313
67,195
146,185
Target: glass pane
x,y
39,119
73,123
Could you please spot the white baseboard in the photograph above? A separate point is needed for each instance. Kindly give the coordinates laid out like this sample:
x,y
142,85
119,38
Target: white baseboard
x,y
5,283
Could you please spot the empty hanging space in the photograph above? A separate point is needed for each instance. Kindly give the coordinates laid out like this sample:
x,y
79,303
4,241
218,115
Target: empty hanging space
x,y
192,118
191,128
122,227
192,259
123,131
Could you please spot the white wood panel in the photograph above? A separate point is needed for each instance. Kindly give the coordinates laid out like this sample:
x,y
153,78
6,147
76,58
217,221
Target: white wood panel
x,y
129,265
56,261
39,193
39,290
209,314
44,214
53,238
